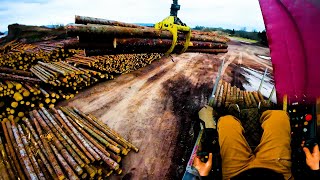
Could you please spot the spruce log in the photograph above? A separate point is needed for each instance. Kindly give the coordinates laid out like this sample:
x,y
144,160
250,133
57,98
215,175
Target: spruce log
x,y
92,20
20,165
43,169
110,143
220,98
101,148
121,43
80,136
4,76
96,146
14,71
93,125
3,169
30,172
12,152
90,131
118,32
68,169
61,145
30,154
47,147
104,154
40,151
253,101
114,133
53,125
76,139
10,159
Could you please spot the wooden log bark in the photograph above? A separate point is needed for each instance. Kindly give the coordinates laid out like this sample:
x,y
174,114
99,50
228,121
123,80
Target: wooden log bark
x,y
10,159
133,147
79,136
117,31
43,169
220,98
96,125
133,43
253,101
33,160
256,97
4,76
105,155
89,158
14,71
95,145
112,145
30,172
3,169
48,150
92,20
37,145
68,169
58,141
100,147
90,131
65,136
12,151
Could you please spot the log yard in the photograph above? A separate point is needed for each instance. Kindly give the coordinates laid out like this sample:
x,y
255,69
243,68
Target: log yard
x,y
105,99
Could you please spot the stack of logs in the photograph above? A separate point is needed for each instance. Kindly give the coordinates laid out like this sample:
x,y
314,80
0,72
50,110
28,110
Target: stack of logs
x,y
60,144
63,75
227,94
47,83
17,55
19,91
101,37
114,64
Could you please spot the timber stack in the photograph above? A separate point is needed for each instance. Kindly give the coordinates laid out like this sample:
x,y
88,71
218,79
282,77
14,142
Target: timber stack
x,y
227,94
60,144
62,75
114,64
103,37
20,56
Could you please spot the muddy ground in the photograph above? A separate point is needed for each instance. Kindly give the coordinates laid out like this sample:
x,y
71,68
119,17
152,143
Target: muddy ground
x,y
156,107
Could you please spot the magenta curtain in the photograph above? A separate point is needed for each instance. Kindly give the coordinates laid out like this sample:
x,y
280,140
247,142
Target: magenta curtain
x,y
293,30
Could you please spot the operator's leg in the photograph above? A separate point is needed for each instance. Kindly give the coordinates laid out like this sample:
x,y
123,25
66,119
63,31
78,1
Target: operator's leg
x,y
234,149
274,151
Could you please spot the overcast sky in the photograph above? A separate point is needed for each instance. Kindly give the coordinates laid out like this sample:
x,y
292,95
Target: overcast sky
x,y
212,13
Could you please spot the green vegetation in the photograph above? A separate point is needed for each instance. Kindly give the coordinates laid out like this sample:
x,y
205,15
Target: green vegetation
x,y
241,35
243,39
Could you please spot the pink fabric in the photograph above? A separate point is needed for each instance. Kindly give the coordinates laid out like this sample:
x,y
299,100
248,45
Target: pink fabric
x,y
293,30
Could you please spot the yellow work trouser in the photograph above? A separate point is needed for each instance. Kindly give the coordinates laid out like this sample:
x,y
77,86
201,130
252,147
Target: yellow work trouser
x,y
273,152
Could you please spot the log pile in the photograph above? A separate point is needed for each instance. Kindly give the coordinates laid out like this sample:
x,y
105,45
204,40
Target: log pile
x,y
101,37
227,94
45,83
63,75
17,98
20,56
114,64
60,144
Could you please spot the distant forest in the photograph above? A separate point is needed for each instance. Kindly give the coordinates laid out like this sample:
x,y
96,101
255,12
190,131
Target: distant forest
x,y
261,37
